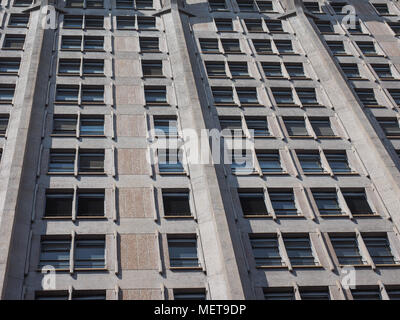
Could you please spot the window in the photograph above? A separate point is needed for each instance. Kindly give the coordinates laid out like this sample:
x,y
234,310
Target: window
x,y
295,70
149,44
367,97
89,253
88,295
238,69
366,294
327,203
73,22
338,161
217,5
6,93
246,5
347,250
59,203
155,95
93,67
247,96
152,68
91,161
296,127
146,23
64,125
324,26
14,41
22,3
338,6
242,161
266,251
357,28
395,26
69,66
165,126
94,22
51,295
94,4
379,249
312,6
269,161
279,294
92,43
314,293
92,126
357,203
67,93
126,23
74,4
223,95
272,69
215,68
61,161
170,161
209,45
274,25
71,43
92,94
307,96
350,70
283,202
189,294
310,162
258,127
367,48
144,4
9,65
176,203
284,46
231,45
262,46
393,92
265,6
390,127
336,47
253,25
224,25
183,251
393,293
3,124
383,71
381,8
55,251
90,203
322,127
18,20
283,96
253,203
299,250
231,126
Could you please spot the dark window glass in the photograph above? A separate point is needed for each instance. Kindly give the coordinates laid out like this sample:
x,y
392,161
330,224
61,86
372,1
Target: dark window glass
x,y
90,203
176,203
59,204
183,251
357,203
253,203
266,251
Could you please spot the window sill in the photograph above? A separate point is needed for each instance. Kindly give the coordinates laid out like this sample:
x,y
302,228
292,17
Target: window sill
x,y
250,173
177,173
57,218
99,75
92,173
334,216
374,215
13,49
258,216
154,77
186,268
264,53
299,78
301,137
391,265
357,79
149,51
329,137
359,266
312,105
308,267
91,136
346,174
8,73
288,105
60,173
289,54
218,77
316,173
275,173
226,105
374,106
5,101
263,137
157,104
234,52
290,216
94,103
189,217
90,269
342,55
66,102
78,217
241,77
211,52
69,74
393,137
271,267
276,78
60,135
389,79
373,55
244,105
227,31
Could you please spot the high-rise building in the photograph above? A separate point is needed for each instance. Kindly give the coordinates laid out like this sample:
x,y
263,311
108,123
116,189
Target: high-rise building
x,y
200,149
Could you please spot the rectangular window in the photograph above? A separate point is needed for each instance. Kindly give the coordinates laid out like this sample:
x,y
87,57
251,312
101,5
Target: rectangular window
x,y
337,47
284,46
314,293
64,125
90,253
59,203
381,8
338,161
93,67
299,250
91,161
265,6
366,294
238,69
379,249
90,203
296,127
73,22
7,93
266,251
67,93
246,5
18,20
215,69
124,4
393,92
295,70
183,251
92,94
395,26
247,95
269,161
357,203
92,43
357,28
367,47
258,127
283,96
327,203
155,95
224,25
283,203
94,22
170,161
350,70
146,23
152,68
274,25
9,65
367,97
322,127
92,126
253,25
272,69
69,66
231,126
176,203
383,71
310,162
253,203
14,41
279,294
216,5
390,127
166,126
324,26
347,250
126,23
223,95
231,45
3,124
307,96
51,295
71,43
55,251
242,161
61,160
262,46
393,293
149,44
189,294
209,45
88,295
312,6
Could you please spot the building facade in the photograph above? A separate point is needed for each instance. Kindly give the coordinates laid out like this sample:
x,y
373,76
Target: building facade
x,y
106,107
